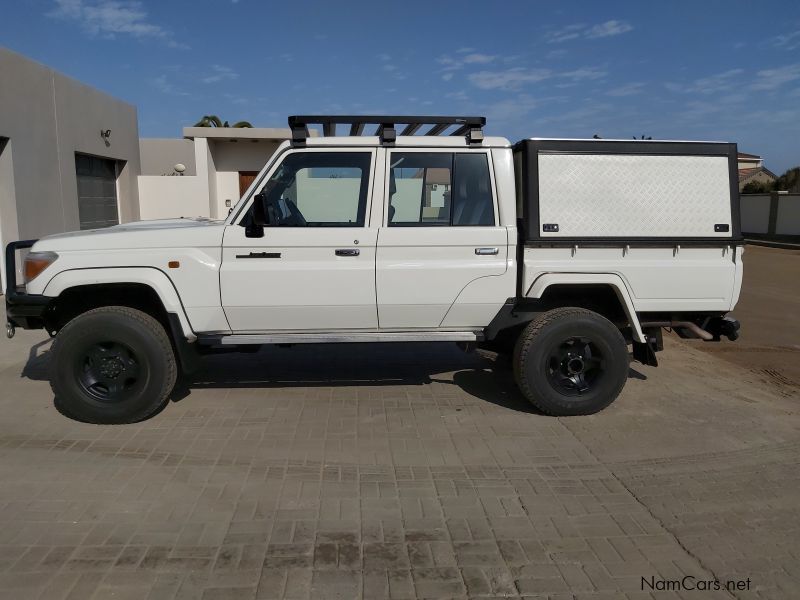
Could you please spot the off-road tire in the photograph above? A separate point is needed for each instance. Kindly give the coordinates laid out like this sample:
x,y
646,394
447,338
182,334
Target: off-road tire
x,y
545,336
146,350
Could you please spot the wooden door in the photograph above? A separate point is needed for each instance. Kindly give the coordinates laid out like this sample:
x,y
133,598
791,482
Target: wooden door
x,y
245,179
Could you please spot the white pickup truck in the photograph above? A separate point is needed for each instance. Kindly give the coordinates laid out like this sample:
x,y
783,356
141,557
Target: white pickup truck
x,y
563,253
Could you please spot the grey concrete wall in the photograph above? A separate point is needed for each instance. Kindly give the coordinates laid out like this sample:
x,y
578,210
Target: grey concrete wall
x,y
159,156
754,210
788,218
8,205
48,117
770,214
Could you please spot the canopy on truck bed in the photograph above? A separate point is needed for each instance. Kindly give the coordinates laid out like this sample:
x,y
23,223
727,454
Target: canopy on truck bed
x,y
603,191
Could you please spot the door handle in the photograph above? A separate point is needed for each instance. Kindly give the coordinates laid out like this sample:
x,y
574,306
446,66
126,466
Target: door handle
x,y
260,255
486,251
347,252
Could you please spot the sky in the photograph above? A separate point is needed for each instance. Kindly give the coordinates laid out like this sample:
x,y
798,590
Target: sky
x,y
709,70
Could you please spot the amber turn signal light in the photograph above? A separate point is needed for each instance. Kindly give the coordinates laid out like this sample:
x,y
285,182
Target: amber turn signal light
x,y
36,262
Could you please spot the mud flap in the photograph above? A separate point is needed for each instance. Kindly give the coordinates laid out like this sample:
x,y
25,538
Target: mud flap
x,y
645,352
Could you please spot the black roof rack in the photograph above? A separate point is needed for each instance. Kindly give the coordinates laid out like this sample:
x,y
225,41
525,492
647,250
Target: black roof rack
x,y
470,127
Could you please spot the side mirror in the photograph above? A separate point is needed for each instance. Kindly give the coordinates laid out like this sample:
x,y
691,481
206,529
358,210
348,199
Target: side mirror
x,y
256,227
259,211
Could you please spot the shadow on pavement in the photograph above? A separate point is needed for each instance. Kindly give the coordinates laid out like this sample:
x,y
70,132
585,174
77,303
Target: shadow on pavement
x,y
484,376
353,365
37,367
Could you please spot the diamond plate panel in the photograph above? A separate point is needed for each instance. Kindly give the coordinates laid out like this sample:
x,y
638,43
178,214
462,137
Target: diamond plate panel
x,y
618,195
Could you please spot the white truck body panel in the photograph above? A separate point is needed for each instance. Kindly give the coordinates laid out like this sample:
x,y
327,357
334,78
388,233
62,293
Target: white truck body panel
x,y
503,176
668,278
142,251
421,272
150,276
307,287
545,280
431,277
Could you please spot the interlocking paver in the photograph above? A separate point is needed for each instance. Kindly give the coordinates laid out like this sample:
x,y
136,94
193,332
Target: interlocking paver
x,y
429,478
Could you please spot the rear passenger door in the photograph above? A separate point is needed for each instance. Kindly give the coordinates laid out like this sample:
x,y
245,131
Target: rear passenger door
x,y
440,239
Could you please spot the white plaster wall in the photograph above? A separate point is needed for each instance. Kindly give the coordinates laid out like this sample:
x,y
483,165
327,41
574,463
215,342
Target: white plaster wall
x,y
754,210
170,197
227,189
326,200
228,159
217,165
406,200
788,215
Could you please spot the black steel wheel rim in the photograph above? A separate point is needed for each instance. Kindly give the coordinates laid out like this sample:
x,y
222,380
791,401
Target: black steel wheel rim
x,y
575,366
109,371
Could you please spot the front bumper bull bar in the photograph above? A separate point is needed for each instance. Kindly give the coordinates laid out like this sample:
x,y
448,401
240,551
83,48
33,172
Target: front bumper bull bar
x,y
22,309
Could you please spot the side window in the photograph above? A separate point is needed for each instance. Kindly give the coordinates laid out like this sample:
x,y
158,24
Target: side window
x,y
440,189
317,189
419,188
472,196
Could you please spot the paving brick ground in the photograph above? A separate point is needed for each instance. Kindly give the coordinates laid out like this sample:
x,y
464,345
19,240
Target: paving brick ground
x,y
400,472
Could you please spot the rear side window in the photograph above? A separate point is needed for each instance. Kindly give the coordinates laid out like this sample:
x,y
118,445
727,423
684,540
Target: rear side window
x,y
439,189
472,196
419,188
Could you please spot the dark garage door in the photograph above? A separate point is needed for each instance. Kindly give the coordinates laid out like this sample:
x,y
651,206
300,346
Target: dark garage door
x,y
97,191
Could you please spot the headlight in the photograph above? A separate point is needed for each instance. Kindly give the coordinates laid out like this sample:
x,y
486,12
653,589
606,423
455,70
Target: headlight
x,y
36,262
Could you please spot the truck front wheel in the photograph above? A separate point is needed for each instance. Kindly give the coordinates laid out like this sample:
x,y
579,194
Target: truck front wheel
x,y
112,365
571,361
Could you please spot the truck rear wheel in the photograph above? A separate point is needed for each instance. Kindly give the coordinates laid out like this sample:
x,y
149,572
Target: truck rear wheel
x,y
112,365
571,361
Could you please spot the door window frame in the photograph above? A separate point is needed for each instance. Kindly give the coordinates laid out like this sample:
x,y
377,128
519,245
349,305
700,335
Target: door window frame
x,y
247,201
438,150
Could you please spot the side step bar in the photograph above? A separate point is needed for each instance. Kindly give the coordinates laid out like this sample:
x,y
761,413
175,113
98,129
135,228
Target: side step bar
x,y
340,338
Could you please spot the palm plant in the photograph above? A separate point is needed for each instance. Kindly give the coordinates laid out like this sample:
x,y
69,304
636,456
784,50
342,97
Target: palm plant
x,y
215,121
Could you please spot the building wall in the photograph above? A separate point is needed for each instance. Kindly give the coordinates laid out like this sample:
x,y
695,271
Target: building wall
x,y
749,163
8,204
759,177
211,181
47,118
168,197
159,156
754,210
229,158
788,221
770,214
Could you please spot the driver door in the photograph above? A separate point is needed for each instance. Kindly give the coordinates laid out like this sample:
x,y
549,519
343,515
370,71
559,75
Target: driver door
x,y
314,267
